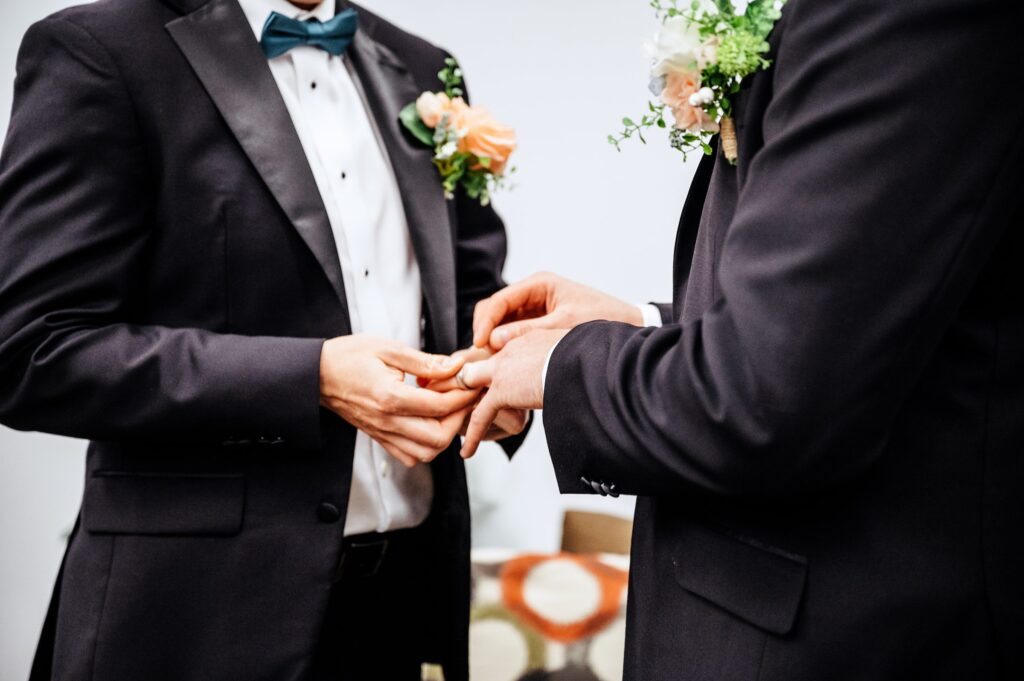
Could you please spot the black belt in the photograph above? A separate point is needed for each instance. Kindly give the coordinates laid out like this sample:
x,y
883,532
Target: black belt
x,y
363,555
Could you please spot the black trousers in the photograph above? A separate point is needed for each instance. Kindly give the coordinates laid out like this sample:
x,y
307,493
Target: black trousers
x,y
378,627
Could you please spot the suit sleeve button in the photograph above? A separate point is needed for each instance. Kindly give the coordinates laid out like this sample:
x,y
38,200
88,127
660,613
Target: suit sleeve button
x,y
328,513
596,486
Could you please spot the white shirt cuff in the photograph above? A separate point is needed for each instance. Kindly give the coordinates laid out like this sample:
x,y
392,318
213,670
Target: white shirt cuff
x,y
651,314
544,371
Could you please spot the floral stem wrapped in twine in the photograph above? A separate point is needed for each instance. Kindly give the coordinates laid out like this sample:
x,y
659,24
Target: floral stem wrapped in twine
x,y
728,139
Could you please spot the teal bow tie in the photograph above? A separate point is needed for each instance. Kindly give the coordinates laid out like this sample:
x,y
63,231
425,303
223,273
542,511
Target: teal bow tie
x,y
281,33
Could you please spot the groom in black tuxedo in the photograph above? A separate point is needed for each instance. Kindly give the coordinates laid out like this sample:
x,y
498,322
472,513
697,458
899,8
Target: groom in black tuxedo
x,y
220,254
826,433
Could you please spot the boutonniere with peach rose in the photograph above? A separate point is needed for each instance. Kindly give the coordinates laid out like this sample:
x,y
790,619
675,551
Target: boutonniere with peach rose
x,y
471,148
702,54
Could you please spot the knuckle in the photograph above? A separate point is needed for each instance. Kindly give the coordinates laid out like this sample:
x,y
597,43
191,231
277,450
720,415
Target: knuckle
x,y
387,402
561,317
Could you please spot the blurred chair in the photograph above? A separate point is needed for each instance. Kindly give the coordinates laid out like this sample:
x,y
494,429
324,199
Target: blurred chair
x,y
586,532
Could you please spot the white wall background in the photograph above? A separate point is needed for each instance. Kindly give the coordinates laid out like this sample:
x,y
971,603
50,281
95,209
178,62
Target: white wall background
x,y
563,73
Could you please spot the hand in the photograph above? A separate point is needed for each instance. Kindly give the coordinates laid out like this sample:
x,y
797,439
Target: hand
x,y
544,301
513,380
508,422
362,380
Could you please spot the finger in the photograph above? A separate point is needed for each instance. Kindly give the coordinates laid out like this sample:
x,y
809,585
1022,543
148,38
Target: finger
x,y
506,332
489,313
427,443
456,423
510,421
473,354
428,436
410,401
444,386
420,364
478,374
479,423
397,451
414,452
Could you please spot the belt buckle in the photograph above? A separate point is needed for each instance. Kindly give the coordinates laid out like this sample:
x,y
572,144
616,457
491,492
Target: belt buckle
x,y
362,559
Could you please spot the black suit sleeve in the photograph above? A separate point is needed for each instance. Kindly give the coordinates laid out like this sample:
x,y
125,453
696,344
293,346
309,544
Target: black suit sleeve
x,y
891,166
75,193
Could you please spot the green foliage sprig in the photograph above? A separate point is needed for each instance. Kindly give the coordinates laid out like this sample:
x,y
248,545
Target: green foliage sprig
x,y
457,168
740,44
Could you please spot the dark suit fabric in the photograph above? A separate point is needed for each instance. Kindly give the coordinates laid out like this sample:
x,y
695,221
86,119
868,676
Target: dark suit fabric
x,y
827,436
167,278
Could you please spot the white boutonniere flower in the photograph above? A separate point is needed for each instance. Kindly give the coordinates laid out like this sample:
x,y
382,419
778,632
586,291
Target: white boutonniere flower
x,y
700,57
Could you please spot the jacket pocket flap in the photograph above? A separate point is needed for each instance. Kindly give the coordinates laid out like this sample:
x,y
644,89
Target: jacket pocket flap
x,y
163,504
759,584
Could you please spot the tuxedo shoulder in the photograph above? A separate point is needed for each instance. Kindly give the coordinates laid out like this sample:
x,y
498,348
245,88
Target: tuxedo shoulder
x,y
105,20
414,50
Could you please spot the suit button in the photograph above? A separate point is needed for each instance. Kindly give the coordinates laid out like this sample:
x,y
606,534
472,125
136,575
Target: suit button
x,y
328,513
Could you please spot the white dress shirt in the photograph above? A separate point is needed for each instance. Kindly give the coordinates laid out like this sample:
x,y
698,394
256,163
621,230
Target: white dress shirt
x,y
382,278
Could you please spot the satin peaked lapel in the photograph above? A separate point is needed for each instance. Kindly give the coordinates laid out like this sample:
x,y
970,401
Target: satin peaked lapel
x,y
689,226
389,87
219,44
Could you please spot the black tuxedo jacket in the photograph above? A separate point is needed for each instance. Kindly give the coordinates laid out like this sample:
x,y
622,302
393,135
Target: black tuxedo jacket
x,y
827,437
167,278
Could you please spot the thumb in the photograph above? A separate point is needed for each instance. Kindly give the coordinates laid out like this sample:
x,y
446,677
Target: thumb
x,y
501,336
422,364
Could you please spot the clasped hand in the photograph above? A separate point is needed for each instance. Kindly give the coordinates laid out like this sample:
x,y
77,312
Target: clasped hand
x,y
484,392
363,380
514,332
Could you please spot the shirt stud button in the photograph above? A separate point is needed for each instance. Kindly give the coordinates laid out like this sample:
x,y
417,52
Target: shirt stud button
x,y
312,85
